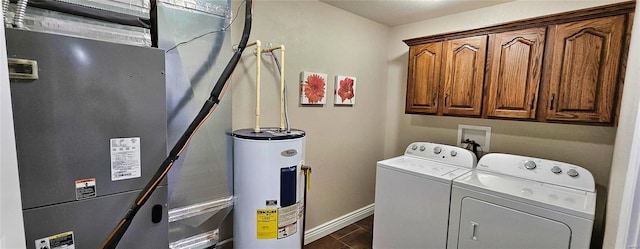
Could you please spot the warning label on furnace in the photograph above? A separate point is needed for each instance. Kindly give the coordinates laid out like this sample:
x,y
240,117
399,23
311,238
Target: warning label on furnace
x,y
287,221
125,158
85,188
58,241
267,223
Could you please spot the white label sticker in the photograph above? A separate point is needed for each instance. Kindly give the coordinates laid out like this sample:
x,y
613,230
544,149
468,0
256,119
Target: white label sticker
x,y
287,231
58,241
85,188
125,158
287,221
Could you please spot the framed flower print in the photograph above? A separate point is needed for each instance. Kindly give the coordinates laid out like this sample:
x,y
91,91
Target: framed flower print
x,y
313,88
345,90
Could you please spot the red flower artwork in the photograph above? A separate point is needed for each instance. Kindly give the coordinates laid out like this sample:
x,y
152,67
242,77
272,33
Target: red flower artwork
x,y
314,88
346,89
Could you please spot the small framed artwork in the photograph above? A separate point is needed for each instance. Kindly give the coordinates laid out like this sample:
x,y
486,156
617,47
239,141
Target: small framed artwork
x,y
313,88
345,90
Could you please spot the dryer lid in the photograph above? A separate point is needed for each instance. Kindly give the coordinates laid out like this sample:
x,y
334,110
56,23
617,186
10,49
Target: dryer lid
x,y
540,170
562,199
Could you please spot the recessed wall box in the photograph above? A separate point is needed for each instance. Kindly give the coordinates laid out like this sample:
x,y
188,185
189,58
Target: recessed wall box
x,y
479,134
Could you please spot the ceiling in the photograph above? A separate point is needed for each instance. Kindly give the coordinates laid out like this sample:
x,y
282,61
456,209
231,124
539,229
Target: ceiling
x,y
398,12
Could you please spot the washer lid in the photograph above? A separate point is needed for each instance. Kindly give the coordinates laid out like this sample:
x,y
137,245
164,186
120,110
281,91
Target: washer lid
x,y
424,168
562,199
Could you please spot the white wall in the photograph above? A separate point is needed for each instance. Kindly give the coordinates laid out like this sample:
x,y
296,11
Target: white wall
x,y
343,143
11,226
625,156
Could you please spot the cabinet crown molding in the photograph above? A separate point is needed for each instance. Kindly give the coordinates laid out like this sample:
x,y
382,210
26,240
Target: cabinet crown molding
x,y
571,16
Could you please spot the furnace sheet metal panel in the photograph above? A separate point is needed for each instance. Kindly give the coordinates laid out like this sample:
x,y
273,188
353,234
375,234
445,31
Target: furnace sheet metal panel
x,y
202,175
91,127
90,227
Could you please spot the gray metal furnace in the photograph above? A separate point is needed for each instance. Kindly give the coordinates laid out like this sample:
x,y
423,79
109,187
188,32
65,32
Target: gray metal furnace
x,y
90,132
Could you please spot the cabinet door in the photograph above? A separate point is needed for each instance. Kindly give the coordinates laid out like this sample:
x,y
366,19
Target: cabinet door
x,y
423,79
463,74
584,72
515,62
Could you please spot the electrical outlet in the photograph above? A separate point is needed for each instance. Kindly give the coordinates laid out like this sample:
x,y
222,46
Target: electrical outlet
x,y
479,134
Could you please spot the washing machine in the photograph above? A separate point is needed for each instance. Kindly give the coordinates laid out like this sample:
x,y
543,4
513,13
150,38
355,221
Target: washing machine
x,y
412,195
512,201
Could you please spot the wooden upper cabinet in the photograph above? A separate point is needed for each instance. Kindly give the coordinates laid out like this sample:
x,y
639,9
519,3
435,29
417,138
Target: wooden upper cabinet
x,y
584,69
566,68
423,79
463,75
514,65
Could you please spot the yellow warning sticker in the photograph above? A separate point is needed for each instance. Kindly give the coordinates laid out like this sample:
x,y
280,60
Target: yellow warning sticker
x,y
267,223
58,241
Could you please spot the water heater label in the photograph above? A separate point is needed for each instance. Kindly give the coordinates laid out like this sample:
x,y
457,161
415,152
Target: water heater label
x,y
85,188
125,158
267,223
287,221
58,241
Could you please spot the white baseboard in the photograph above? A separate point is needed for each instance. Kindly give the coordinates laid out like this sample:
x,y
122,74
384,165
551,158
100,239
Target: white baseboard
x,y
336,224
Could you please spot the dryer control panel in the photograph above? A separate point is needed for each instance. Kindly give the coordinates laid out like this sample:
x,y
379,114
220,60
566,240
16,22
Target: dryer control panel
x,y
541,170
442,153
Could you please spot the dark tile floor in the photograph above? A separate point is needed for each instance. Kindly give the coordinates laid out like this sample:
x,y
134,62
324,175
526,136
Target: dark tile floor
x,y
355,236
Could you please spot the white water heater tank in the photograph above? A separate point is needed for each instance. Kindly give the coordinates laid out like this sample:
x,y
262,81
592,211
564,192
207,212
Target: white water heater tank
x,y
268,188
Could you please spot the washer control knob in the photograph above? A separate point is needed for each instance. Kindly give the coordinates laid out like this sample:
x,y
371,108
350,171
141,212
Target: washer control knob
x,y
414,147
422,148
530,165
454,153
437,150
556,170
572,173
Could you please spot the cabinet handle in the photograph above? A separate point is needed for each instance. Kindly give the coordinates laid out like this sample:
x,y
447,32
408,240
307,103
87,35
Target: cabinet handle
x,y
553,98
435,95
533,98
446,96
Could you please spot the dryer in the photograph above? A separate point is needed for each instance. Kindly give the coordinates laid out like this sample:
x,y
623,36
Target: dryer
x,y
412,195
512,201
